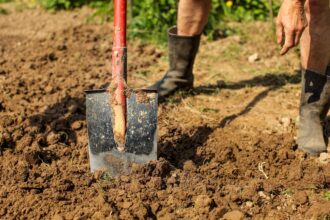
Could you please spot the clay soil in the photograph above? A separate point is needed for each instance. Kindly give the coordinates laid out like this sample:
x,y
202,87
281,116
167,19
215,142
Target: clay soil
x,y
227,147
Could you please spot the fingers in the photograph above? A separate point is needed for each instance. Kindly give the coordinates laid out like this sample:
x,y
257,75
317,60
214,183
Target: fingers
x,y
298,36
286,37
289,41
279,32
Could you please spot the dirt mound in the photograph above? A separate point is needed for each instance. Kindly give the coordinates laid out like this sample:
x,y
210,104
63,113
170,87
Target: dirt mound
x,y
227,150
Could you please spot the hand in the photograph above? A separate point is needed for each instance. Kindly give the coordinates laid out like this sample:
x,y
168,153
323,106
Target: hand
x,y
290,24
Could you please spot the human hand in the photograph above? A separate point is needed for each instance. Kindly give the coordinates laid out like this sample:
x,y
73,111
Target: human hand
x,y
290,24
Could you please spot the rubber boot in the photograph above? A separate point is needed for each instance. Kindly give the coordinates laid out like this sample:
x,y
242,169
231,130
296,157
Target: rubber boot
x,y
182,53
314,106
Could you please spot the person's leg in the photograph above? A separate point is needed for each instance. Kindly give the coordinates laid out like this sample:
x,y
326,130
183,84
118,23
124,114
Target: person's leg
x,y
183,46
315,97
192,16
315,41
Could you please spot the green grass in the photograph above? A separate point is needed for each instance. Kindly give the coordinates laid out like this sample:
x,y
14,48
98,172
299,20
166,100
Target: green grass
x,y
3,11
232,51
288,192
326,195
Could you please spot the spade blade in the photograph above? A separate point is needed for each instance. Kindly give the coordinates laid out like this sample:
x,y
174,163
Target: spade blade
x,y
141,132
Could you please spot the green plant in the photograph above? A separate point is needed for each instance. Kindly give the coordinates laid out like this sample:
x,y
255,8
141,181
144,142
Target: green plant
x,y
288,192
209,110
69,4
151,18
326,195
107,176
103,11
3,11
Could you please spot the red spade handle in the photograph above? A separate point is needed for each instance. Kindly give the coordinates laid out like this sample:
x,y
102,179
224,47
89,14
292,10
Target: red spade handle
x,y
119,53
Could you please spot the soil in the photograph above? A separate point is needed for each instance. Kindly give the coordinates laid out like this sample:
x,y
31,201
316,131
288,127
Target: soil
x,y
227,147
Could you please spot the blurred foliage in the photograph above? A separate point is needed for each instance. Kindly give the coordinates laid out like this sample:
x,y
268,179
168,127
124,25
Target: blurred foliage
x,y
3,11
149,19
61,4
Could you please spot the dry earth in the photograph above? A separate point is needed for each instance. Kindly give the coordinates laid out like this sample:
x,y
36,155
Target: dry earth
x,y
227,148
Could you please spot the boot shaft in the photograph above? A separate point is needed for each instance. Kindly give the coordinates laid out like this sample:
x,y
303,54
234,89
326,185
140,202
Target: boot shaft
x,y
315,93
182,52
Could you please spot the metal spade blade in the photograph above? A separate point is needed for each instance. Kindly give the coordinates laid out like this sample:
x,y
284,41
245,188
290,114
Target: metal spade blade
x,y
141,132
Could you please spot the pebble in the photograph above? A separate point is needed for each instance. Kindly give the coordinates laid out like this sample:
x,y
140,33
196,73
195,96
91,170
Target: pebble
x,y
249,204
49,89
98,215
262,194
234,215
52,138
126,205
285,122
57,217
301,198
203,201
135,187
253,58
189,165
324,158
76,125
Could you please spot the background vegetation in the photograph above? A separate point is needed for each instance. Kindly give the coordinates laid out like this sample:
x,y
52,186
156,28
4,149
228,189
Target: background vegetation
x,y
149,19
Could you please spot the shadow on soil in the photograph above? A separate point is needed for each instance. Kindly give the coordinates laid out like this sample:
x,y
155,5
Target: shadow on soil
x,y
186,146
59,118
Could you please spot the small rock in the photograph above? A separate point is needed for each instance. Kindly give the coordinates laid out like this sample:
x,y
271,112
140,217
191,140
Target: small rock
x,y
140,210
154,207
3,211
57,217
218,213
253,58
234,215
285,122
53,138
126,205
135,187
324,158
121,192
155,183
294,207
125,179
189,165
100,200
249,204
301,198
262,194
49,89
98,215
76,125
203,201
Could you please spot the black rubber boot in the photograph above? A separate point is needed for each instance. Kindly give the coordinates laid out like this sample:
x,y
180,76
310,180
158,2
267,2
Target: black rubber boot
x,y
314,106
182,53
